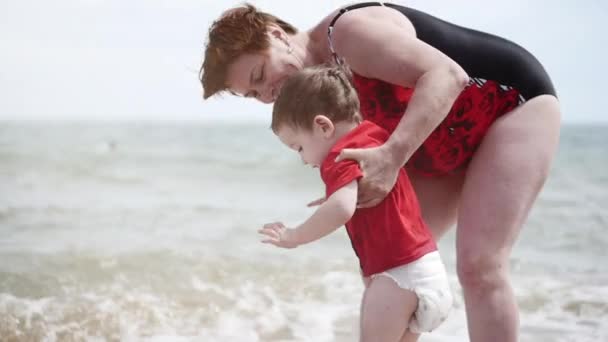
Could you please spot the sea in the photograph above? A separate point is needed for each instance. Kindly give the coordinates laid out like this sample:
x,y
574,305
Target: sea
x,y
147,231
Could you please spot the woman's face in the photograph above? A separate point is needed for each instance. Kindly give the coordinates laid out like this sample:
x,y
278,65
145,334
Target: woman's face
x,y
261,75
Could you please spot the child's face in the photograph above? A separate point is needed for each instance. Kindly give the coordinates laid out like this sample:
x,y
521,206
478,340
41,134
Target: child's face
x,y
312,145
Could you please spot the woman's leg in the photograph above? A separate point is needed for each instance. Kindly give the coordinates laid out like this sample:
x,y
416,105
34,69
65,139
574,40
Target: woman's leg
x,y
385,311
438,198
502,183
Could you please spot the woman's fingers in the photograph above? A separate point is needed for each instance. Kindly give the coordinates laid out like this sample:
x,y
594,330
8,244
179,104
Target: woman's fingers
x,y
316,202
370,194
369,203
349,153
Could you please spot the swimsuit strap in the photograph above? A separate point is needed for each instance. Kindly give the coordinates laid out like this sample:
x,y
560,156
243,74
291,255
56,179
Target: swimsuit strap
x,y
343,10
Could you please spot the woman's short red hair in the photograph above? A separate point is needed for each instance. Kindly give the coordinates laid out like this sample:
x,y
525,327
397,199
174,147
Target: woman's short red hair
x,y
238,31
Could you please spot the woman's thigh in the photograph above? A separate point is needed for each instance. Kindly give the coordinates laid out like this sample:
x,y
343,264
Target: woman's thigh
x,y
438,197
503,181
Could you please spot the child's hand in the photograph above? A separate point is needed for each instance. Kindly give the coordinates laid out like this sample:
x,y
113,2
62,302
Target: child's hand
x,y
277,234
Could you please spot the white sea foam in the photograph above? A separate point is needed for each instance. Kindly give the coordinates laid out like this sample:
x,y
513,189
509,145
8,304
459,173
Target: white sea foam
x,y
148,233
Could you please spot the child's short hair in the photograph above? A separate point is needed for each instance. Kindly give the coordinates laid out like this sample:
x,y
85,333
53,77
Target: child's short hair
x,y
313,91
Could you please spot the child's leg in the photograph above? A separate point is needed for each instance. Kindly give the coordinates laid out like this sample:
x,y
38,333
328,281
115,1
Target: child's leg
x,y
386,310
409,337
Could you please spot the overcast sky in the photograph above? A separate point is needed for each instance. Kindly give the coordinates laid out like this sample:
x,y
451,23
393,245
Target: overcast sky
x,y
139,59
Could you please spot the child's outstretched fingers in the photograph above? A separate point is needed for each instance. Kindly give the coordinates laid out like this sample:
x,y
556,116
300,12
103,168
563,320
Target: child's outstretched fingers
x,y
274,225
277,234
272,232
269,233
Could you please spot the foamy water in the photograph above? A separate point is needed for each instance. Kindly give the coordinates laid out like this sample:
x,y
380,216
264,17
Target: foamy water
x,y
148,232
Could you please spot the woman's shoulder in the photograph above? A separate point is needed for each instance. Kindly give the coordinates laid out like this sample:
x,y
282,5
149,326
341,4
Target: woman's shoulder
x,y
347,27
318,33
365,15
359,18
372,21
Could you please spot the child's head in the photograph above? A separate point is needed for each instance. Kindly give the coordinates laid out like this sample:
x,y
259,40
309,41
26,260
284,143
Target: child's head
x,y
311,103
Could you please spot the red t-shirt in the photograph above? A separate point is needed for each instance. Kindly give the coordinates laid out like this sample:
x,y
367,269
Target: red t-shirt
x,y
390,234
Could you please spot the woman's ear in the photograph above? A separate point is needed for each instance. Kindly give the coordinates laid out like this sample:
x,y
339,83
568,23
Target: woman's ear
x,y
277,32
324,125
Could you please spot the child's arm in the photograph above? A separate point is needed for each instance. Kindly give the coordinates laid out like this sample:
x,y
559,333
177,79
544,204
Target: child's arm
x,y
331,215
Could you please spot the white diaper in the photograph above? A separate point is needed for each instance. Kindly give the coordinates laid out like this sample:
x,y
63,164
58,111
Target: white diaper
x,y
428,279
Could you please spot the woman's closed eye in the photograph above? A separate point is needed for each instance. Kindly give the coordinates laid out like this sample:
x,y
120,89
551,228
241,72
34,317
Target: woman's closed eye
x,y
252,94
260,77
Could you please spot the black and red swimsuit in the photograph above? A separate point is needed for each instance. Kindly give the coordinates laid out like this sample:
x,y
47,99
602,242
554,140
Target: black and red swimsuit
x,y
502,75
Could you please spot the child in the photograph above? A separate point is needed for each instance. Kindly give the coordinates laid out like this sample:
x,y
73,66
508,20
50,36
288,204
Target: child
x,y
407,291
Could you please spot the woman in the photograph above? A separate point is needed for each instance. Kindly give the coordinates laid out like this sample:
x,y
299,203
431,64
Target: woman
x,y
475,121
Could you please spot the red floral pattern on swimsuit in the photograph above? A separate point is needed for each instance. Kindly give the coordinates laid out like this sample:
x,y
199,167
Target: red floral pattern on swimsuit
x,y
452,144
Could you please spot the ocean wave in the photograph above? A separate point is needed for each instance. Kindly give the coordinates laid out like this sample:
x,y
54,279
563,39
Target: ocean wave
x,y
163,293
208,296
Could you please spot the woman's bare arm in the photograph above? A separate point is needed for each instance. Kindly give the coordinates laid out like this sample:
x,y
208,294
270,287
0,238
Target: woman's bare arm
x,y
387,49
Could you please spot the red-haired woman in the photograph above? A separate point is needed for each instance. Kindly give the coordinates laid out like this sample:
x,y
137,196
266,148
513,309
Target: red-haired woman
x,y
474,119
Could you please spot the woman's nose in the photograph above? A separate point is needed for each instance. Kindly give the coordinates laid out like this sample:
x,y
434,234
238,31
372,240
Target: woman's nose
x,y
266,95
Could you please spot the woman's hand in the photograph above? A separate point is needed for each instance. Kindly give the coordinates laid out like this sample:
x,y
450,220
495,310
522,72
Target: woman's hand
x,y
317,202
277,234
380,171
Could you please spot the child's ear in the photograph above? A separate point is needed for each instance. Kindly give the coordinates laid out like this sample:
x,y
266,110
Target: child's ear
x,y
324,125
